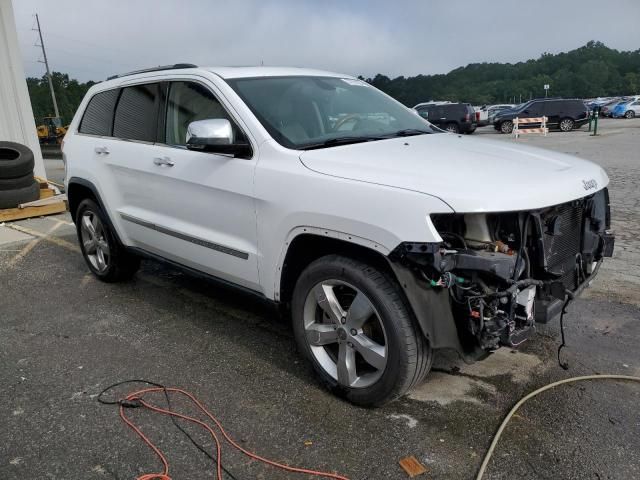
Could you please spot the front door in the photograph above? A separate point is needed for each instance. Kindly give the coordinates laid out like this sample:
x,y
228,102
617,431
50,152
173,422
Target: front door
x,y
204,214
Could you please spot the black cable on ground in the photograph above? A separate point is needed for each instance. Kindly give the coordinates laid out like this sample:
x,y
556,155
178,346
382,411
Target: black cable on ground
x,y
173,419
564,365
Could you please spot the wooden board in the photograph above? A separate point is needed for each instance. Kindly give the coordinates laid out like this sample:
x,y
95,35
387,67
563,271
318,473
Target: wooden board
x,y
412,466
46,193
11,214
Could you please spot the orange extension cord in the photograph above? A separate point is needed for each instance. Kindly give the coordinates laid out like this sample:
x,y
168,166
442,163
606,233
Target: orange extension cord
x,y
136,397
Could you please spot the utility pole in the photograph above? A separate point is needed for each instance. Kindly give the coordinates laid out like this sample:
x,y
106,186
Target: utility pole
x,y
44,54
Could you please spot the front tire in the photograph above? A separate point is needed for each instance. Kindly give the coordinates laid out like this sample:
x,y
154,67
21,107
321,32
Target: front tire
x,y
351,322
630,114
506,126
105,256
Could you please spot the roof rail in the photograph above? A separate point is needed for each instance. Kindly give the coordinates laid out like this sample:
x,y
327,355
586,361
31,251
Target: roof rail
x,y
175,66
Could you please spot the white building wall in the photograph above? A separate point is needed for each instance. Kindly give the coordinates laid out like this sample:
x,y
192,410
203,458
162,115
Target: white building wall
x,y
16,116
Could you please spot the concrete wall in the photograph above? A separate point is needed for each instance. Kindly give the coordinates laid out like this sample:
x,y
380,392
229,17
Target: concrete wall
x,y
16,115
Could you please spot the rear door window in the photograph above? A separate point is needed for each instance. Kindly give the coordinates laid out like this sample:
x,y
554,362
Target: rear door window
x,y
438,113
136,114
98,116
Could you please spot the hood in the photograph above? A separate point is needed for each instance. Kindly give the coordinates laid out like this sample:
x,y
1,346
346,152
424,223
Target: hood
x,y
469,174
508,114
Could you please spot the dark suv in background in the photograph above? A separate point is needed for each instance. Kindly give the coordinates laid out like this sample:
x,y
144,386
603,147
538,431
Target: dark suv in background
x,y
453,117
563,114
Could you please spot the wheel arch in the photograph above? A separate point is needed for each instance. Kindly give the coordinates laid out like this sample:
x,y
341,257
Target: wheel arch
x,y
79,189
430,310
311,243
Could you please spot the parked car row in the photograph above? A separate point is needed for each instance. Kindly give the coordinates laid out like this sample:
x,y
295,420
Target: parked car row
x,y
616,107
628,108
562,113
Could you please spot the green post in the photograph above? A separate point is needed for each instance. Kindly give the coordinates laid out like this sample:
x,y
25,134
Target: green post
x,y
595,125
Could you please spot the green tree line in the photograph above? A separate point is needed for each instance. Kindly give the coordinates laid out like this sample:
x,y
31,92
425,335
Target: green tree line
x,y
589,71
69,94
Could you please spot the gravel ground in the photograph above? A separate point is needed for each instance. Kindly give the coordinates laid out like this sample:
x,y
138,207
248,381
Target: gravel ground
x,y
65,336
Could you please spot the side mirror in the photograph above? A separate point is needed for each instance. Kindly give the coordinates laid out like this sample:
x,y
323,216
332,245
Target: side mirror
x,y
215,135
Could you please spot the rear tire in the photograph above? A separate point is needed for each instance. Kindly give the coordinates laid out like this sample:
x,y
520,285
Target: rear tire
x,y
566,124
104,254
452,127
630,114
506,126
324,332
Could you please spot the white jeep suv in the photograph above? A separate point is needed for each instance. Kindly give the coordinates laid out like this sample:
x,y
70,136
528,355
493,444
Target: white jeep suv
x,y
386,238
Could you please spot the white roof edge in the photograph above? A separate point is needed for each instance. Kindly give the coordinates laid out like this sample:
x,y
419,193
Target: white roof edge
x,y
223,72
246,72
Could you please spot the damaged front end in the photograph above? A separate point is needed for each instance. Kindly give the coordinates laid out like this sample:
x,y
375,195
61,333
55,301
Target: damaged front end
x,y
495,274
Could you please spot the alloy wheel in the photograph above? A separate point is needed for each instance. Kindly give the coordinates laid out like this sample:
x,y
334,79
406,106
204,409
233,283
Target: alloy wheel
x,y
630,114
94,241
566,125
345,333
506,127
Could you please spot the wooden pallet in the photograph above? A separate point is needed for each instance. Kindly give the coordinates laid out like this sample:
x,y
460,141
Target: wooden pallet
x,y
11,214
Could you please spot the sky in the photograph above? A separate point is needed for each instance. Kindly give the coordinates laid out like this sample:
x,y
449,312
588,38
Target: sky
x,y
92,40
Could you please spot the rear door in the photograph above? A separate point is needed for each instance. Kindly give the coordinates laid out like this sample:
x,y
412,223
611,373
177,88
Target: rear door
x,y
635,107
555,110
440,115
126,157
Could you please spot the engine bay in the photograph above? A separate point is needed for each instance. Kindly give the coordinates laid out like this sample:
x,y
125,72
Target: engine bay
x,y
503,272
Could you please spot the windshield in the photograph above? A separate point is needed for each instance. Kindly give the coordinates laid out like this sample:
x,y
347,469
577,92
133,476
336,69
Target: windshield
x,y
318,112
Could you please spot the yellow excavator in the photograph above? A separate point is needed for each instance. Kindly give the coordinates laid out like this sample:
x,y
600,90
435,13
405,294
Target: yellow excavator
x,y
51,131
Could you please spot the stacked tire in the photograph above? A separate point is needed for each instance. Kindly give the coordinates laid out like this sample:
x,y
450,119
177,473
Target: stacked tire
x,y
17,184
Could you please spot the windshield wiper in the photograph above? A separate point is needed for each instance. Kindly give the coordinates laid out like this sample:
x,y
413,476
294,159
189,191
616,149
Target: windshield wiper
x,y
333,142
409,132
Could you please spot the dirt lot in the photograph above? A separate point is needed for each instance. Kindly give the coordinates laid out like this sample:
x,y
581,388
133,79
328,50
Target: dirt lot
x,y
65,336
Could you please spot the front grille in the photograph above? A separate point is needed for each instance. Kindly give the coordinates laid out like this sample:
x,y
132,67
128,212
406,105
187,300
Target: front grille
x,y
562,239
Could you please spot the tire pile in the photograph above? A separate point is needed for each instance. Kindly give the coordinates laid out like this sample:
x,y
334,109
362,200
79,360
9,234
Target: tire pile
x,y
17,184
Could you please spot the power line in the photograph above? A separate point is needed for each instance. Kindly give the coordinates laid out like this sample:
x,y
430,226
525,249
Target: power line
x,y
46,63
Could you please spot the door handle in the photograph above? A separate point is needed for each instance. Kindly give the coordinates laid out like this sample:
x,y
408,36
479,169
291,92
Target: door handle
x,y
101,150
163,162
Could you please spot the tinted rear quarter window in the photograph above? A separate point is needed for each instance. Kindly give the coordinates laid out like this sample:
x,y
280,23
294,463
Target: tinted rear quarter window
x,y
456,110
423,112
98,116
137,113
